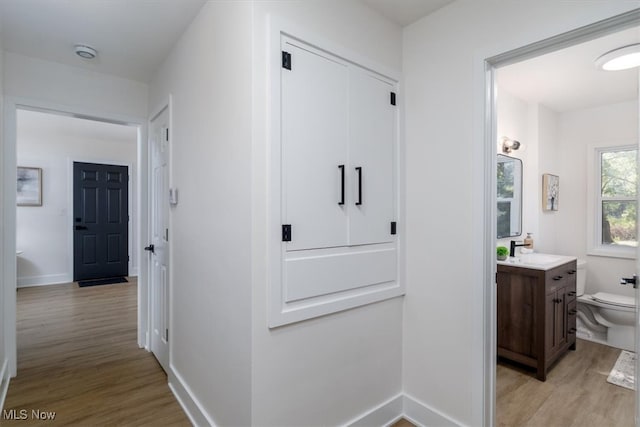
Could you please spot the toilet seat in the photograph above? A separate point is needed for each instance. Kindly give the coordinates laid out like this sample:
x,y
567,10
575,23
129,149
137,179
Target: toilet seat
x,y
613,299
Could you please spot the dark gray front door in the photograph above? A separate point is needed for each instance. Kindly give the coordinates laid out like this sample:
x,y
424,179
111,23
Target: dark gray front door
x,y
101,221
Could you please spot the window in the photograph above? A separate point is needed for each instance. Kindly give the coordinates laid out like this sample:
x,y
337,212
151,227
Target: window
x,y
616,201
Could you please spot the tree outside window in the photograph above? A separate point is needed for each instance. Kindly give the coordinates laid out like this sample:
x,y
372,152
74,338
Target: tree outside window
x,y
618,197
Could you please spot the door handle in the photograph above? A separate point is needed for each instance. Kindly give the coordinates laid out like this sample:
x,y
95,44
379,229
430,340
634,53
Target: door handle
x,y
359,170
81,227
630,281
150,248
341,202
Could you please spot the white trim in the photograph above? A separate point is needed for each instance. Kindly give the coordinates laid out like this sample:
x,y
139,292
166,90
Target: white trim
x,y
187,400
280,312
424,415
44,280
384,414
5,379
11,105
130,201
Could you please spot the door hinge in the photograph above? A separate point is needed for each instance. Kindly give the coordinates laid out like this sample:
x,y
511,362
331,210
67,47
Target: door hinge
x,y
167,134
286,232
393,98
286,60
166,335
128,258
166,234
393,227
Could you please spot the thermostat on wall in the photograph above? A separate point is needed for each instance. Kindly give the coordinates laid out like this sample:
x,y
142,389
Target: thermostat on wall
x,y
173,196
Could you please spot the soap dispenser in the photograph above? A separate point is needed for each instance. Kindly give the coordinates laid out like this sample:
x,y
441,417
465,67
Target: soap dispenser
x,y
528,241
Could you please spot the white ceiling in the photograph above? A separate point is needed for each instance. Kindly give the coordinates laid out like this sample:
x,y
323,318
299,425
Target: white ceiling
x,y
568,80
405,12
37,125
132,36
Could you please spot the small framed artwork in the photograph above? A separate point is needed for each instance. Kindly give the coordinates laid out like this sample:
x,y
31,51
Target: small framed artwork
x,y
29,186
550,192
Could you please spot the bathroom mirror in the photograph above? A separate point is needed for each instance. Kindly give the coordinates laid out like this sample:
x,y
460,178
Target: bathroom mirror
x,y
509,196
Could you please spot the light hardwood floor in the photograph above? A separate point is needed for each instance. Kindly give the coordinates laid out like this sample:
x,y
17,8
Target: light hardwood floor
x,y
576,392
78,357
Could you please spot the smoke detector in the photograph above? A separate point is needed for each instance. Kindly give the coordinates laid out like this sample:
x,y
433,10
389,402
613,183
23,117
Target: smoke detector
x,y
85,52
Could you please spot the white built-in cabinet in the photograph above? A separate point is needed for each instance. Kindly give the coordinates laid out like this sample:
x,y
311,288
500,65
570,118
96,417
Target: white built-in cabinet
x,y
334,189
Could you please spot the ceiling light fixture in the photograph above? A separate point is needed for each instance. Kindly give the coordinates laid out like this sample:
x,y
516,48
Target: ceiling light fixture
x,y
621,58
85,52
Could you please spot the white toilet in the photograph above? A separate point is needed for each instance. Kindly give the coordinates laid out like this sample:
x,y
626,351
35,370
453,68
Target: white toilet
x,y
605,317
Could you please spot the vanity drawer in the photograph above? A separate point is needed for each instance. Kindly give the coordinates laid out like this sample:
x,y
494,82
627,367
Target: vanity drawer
x,y
561,276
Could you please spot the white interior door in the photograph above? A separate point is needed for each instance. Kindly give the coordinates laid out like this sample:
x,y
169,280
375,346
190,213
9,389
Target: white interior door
x,y
637,289
159,248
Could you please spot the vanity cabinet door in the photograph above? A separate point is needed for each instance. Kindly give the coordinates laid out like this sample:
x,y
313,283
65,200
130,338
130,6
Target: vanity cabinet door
x,y
517,316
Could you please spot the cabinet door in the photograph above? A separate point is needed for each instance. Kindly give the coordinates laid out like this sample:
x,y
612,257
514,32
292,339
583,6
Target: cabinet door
x,y
556,322
314,148
372,158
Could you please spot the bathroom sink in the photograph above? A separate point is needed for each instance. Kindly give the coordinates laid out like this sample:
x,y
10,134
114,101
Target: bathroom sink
x,y
538,261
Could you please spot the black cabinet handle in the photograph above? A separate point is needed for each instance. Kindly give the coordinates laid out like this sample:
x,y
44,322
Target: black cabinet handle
x,y
572,293
572,312
557,277
572,331
572,272
81,227
359,170
150,248
341,202
557,300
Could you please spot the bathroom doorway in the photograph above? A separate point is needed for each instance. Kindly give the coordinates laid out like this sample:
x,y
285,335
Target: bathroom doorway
x,y
565,113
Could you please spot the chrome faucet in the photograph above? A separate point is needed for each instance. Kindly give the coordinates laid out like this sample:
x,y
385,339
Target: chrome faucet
x,y
514,245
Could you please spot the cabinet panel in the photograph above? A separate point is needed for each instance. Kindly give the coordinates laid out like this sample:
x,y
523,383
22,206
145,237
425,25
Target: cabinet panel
x,y
315,135
372,158
517,308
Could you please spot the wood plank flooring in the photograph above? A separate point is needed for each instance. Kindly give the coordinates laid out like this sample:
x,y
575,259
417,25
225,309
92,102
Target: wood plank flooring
x,y
576,392
78,357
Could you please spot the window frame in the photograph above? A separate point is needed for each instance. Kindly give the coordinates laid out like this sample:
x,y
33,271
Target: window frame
x,y
596,246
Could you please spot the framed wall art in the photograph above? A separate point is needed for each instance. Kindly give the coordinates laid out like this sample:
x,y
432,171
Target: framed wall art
x,y
29,186
550,192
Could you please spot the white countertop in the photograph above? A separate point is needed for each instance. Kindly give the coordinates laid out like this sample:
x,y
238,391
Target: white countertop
x,y
537,261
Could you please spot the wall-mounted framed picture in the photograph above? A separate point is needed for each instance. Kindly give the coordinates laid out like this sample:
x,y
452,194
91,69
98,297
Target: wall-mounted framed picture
x,y
550,192
29,186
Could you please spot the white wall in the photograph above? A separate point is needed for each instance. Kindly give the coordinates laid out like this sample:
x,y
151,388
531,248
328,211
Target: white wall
x,y
328,370
208,75
51,142
443,319
96,94
5,290
603,126
515,121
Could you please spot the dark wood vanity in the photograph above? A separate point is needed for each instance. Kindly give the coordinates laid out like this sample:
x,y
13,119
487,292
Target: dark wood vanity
x,y
536,314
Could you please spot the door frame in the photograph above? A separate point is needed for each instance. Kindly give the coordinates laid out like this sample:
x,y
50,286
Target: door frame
x,y
11,106
130,201
485,123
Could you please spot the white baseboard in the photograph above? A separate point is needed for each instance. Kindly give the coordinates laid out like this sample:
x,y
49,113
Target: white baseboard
x,y
133,272
49,279
5,378
382,415
423,415
191,406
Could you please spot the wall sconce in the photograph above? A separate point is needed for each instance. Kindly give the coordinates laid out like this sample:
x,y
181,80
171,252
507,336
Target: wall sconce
x,y
509,145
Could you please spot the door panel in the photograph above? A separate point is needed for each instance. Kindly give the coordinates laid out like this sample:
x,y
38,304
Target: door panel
x,y
159,204
101,221
314,147
371,149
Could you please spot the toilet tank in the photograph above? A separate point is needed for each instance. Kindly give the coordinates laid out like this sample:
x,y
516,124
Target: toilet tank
x,y
581,280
